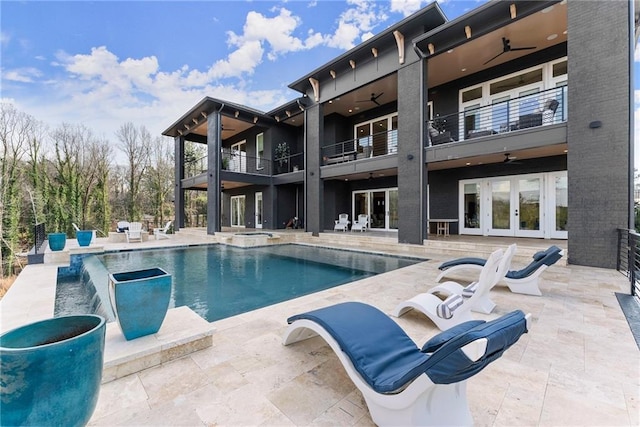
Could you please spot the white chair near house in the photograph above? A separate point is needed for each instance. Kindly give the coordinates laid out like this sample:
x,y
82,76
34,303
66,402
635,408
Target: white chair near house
x,y
361,223
342,223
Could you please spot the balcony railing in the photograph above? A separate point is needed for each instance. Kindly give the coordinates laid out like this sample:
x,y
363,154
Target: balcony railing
x,y
533,110
238,161
378,144
629,259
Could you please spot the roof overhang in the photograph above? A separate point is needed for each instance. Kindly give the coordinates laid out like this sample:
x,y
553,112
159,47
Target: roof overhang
x,y
427,18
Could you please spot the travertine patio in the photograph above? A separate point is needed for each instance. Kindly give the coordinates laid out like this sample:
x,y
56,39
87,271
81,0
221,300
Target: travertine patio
x,y
579,364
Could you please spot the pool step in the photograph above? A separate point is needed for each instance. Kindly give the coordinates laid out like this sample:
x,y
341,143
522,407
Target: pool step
x,y
182,332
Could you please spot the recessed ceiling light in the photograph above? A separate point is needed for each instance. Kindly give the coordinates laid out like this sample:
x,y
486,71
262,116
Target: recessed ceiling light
x,y
463,70
450,51
564,32
351,111
552,36
356,108
330,101
547,9
566,151
468,163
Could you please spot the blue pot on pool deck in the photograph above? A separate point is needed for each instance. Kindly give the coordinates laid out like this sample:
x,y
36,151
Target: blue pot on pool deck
x,y
140,300
57,241
51,371
84,237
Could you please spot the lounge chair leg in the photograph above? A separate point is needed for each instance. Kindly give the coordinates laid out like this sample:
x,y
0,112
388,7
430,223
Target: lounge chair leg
x,y
484,305
443,404
527,287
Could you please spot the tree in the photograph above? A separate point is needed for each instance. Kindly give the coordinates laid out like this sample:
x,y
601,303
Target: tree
x,y
136,145
16,130
159,178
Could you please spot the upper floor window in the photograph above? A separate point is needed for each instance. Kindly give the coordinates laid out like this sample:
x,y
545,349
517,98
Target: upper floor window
x,y
259,151
377,137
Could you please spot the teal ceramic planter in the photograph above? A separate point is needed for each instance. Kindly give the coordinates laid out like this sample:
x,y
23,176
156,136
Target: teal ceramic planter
x,y
84,237
140,300
50,371
57,241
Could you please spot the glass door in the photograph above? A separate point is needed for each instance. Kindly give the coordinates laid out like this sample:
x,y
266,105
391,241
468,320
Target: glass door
x,y
258,213
380,205
470,207
239,157
499,209
558,205
528,214
237,211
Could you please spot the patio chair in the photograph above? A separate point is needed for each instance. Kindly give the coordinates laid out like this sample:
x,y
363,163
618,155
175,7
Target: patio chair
x,y
134,233
455,309
402,384
484,304
524,281
122,226
361,224
342,223
161,233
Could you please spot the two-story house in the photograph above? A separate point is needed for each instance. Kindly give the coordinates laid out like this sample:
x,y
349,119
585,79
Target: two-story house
x,y
515,119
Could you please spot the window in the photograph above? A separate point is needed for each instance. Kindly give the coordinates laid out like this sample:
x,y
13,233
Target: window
x,y
259,151
377,137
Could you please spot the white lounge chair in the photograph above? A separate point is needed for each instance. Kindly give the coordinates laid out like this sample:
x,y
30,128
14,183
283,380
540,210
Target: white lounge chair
x,y
484,304
402,384
525,281
455,309
134,233
361,224
342,223
162,232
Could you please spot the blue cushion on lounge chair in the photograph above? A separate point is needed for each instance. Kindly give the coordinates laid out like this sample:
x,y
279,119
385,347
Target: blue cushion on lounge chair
x,y
450,364
458,261
436,342
553,254
387,359
379,349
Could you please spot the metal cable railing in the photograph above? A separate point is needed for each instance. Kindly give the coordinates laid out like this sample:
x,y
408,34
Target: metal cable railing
x,y
629,258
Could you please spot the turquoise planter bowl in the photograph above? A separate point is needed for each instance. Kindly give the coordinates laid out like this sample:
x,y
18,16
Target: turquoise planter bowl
x,y
84,237
140,300
57,241
51,371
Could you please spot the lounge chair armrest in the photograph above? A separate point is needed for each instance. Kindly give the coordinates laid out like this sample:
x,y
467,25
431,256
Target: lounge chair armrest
x,y
476,349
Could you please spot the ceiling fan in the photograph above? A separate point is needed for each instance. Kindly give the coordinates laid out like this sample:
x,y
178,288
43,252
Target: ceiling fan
x,y
506,47
374,98
508,158
224,129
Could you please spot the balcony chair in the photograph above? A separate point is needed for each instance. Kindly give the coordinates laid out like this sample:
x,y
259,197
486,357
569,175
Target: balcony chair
x,y
342,223
134,233
524,281
161,233
455,309
122,226
402,384
484,304
361,224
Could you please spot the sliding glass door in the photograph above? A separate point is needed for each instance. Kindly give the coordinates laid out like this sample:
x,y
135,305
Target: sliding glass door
x,y
380,205
237,211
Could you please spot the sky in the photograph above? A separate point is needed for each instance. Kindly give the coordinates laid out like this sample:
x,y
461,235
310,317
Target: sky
x,y
105,63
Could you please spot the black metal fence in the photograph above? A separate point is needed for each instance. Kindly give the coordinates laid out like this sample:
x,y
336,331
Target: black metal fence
x,y
629,258
39,236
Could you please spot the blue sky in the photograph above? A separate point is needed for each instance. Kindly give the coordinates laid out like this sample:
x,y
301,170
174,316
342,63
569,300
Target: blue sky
x,y
104,63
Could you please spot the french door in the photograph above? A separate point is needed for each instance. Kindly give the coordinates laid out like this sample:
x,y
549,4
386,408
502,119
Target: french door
x,y
258,213
533,205
238,157
514,206
237,211
380,205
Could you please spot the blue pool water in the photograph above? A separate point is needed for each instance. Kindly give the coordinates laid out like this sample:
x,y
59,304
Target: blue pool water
x,y
219,281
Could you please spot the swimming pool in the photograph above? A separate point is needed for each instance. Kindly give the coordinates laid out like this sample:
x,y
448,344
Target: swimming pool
x,y
219,281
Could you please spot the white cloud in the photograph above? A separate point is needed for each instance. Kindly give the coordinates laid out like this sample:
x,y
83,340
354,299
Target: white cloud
x,y
22,75
4,38
361,18
405,7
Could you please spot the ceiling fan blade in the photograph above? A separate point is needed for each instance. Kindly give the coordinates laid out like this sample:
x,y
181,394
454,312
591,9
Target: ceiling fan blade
x,y
373,98
523,48
375,102
493,58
